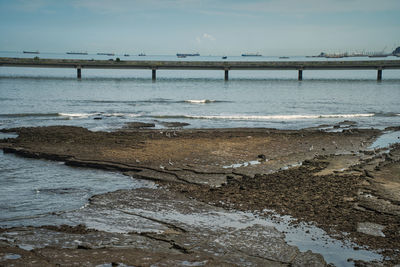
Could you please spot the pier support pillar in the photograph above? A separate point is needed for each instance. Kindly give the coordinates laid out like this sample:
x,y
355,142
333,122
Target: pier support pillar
x,y
79,72
379,77
300,75
153,74
226,75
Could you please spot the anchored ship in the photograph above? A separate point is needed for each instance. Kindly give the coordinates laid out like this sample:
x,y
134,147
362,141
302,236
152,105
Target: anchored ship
x,y
251,55
31,52
106,54
77,53
187,55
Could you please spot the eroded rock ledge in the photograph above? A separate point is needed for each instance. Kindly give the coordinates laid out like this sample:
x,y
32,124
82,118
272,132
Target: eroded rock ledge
x,y
327,178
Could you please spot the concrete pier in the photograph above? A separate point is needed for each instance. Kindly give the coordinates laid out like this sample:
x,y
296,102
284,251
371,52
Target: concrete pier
x,y
153,74
226,66
300,76
78,72
379,76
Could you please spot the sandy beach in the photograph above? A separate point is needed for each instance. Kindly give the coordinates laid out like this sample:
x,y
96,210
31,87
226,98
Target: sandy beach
x,y
216,188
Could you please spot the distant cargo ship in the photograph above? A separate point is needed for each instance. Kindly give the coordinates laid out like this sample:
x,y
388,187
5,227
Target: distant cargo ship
x,y
251,55
187,55
77,53
142,55
106,54
378,55
31,52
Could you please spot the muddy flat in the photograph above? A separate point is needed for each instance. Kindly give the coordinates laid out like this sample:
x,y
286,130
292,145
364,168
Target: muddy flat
x,y
216,193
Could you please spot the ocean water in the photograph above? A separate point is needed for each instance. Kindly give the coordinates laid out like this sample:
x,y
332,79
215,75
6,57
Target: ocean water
x,y
32,189
105,100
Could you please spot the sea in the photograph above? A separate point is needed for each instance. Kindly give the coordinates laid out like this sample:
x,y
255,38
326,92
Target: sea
x,y
106,100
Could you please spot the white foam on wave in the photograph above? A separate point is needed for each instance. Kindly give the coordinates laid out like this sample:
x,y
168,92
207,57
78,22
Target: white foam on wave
x,y
280,117
75,115
199,101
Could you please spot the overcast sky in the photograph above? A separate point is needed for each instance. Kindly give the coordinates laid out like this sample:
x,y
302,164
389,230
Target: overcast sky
x,y
229,27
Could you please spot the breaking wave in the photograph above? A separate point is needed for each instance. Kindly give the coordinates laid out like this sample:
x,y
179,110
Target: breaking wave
x,y
77,115
268,117
199,101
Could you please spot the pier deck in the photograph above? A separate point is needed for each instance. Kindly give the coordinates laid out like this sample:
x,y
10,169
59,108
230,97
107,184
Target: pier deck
x,y
378,65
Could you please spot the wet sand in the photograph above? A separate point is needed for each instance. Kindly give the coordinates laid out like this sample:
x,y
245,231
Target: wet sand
x,y
214,186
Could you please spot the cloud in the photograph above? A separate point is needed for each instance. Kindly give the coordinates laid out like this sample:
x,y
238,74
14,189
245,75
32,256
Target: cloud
x,y
205,37
208,37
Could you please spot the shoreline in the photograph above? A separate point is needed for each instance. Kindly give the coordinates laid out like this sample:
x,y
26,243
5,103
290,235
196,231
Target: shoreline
x,y
326,178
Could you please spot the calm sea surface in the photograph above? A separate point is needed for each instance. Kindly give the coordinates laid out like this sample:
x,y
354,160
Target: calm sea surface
x,y
108,99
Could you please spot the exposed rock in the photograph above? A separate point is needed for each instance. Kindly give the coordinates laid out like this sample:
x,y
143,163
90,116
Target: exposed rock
x,y
308,259
371,229
138,125
174,124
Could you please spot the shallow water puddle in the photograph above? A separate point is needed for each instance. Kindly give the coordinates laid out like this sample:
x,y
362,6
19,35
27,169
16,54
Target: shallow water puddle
x,y
386,139
244,164
287,167
10,257
8,135
308,237
305,237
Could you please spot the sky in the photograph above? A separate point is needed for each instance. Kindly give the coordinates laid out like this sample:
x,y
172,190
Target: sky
x,y
210,27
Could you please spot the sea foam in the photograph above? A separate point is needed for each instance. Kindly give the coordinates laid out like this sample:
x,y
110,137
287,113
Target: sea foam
x,y
199,101
274,117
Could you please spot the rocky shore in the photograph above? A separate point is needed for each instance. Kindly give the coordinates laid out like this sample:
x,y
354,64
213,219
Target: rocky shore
x,y
217,189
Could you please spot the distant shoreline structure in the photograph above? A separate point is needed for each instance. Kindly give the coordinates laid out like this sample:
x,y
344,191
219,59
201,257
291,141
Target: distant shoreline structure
x,y
362,54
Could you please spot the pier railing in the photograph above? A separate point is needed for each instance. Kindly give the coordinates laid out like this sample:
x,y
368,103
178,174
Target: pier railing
x,y
226,66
